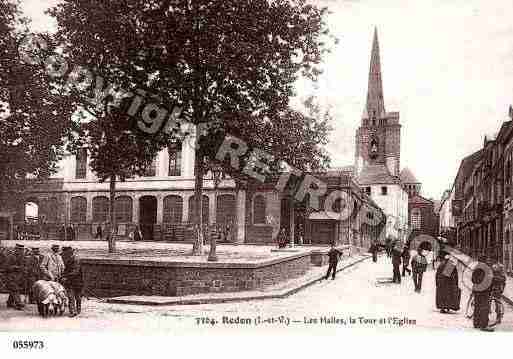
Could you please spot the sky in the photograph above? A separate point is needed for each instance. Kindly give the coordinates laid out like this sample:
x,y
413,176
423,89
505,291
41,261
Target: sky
x,y
447,68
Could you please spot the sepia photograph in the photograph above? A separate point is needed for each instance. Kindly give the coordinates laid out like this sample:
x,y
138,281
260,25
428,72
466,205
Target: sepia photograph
x,y
259,167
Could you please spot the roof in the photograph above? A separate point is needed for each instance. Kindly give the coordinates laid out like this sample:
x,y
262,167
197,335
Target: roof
x,y
376,174
407,176
467,164
418,199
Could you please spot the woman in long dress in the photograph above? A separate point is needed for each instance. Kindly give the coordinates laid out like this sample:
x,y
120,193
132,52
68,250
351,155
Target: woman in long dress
x,y
448,294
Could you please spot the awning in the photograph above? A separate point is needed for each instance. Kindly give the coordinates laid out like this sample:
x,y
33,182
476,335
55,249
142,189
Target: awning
x,y
324,215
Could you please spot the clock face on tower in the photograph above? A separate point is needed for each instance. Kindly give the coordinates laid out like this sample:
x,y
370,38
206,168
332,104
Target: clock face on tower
x,y
373,150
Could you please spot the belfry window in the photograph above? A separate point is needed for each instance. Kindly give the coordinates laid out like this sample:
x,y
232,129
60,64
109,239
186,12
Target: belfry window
x,y
374,148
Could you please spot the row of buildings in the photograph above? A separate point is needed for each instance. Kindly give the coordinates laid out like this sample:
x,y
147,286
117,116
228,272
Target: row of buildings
x,y
161,203
477,212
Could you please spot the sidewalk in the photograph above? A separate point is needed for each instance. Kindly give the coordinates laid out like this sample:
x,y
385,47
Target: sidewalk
x,y
508,291
280,290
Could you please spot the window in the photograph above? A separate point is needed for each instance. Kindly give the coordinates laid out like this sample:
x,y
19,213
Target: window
x,y
384,190
78,209
259,209
368,191
173,209
81,162
100,209
175,161
123,209
415,219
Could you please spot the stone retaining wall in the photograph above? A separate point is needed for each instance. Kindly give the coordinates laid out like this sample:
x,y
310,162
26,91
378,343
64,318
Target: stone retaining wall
x,y
108,278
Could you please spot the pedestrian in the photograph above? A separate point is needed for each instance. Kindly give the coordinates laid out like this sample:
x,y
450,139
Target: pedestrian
x,y
99,233
282,238
448,293
481,291
406,259
300,234
374,251
73,234
15,277
498,286
418,266
62,233
388,246
52,265
73,280
334,255
33,272
137,234
396,262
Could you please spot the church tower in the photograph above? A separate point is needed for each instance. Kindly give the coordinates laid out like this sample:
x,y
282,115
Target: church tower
x,y
378,139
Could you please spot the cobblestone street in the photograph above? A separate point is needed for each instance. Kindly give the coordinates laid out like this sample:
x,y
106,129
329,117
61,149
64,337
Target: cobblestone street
x,y
355,293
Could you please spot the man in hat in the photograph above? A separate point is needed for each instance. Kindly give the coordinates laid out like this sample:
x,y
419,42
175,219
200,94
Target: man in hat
x,y
418,266
33,271
334,255
52,265
396,261
72,280
15,270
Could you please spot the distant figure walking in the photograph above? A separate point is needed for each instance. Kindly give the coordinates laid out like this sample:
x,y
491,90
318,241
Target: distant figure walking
x,y
334,255
418,266
448,294
373,249
406,260
388,246
137,234
99,233
282,238
396,263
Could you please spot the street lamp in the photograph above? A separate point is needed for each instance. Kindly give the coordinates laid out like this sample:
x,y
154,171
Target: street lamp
x,y
216,177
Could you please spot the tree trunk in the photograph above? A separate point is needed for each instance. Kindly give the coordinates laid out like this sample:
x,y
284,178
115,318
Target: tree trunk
x,y
112,228
198,199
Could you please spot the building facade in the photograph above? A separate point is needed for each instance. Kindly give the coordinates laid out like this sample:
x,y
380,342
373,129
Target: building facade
x,y
481,198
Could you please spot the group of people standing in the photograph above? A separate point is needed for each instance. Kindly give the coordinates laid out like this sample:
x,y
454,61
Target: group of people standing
x,y
22,267
485,291
400,254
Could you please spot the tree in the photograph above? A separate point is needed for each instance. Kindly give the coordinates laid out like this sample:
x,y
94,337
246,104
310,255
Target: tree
x,y
120,146
34,115
117,152
228,63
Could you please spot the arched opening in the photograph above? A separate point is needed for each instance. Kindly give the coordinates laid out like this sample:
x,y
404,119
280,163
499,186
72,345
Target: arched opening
x,y
173,209
205,209
31,212
123,209
100,209
147,216
78,210
259,209
225,211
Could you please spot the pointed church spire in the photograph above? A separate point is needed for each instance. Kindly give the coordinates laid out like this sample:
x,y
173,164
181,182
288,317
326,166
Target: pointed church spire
x,y
375,103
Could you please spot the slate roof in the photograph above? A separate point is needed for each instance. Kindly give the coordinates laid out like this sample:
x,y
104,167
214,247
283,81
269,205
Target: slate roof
x,y
418,199
376,174
407,176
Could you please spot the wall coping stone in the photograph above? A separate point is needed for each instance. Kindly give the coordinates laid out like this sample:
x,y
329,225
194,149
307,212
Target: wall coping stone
x,y
142,262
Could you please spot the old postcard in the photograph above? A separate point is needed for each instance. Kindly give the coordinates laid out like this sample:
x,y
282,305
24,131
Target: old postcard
x,y
255,166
